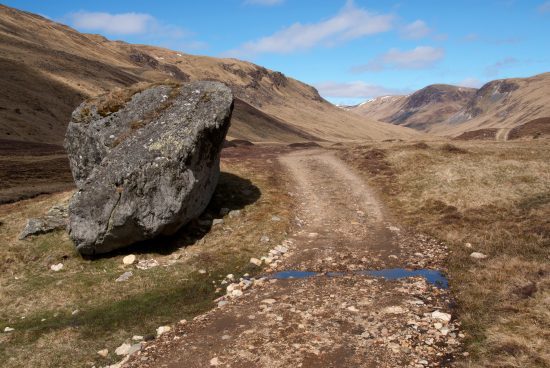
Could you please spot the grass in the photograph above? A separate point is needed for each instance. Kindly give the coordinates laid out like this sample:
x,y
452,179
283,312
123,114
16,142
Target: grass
x,y
39,303
487,197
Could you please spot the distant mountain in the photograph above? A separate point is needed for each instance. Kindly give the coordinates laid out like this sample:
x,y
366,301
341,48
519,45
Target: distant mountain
x,y
490,112
49,68
503,105
421,110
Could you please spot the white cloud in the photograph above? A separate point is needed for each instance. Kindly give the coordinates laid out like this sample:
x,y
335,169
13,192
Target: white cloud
x,y
421,57
544,7
116,24
470,82
358,89
264,2
415,30
350,23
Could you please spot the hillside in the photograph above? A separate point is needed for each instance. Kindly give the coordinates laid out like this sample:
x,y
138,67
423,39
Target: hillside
x,y
422,110
502,104
49,68
490,112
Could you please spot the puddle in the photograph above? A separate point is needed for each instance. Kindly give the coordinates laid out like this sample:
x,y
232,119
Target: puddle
x,y
433,277
293,274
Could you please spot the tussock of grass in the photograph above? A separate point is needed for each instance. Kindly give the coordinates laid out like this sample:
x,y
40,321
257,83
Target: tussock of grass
x,y
110,312
497,198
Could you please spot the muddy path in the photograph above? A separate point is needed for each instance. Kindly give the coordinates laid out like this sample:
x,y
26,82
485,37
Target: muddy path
x,y
340,316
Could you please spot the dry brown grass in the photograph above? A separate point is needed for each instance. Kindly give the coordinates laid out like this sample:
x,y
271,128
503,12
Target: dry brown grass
x,y
39,303
495,196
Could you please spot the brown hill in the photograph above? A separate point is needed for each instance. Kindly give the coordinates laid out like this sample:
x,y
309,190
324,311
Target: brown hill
x,y
422,110
48,69
502,104
490,112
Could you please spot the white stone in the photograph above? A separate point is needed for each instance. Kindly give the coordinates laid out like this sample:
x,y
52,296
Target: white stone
x,y
103,353
217,222
202,272
438,325
275,218
256,261
9,329
264,239
393,310
124,277
478,255
129,259
214,362
163,329
123,349
268,301
230,276
234,213
137,338
441,316
236,293
56,267
145,264
352,309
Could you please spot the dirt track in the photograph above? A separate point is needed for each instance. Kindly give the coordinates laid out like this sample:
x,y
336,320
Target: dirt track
x,y
340,320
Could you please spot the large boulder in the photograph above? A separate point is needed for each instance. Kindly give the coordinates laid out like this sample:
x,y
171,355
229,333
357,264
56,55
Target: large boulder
x,y
145,162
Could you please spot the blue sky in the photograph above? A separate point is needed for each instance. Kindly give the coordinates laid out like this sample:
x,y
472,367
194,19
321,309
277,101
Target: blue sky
x,y
349,50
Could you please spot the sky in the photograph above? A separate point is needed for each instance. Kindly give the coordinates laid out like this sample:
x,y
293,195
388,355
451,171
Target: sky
x,y
349,50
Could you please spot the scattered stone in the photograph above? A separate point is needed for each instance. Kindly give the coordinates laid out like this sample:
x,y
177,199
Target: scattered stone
x,y
56,218
75,312
149,180
149,337
9,329
221,303
394,310
56,267
202,272
146,264
163,329
352,309
123,349
256,261
137,338
264,239
441,316
281,249
124,277
134,348
236,293
230,277
468,245
129,259
214,362
268,301
217,222
234,213
103,353
275,218
478,255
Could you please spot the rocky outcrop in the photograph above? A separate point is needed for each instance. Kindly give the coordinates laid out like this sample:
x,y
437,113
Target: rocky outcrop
x,y
146,163
54,219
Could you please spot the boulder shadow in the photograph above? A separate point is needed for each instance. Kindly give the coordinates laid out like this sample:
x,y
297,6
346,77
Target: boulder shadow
x,y
232,193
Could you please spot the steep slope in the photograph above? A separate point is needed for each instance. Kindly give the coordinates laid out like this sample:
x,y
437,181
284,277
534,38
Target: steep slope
x,y
422,110
48,68
502,104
